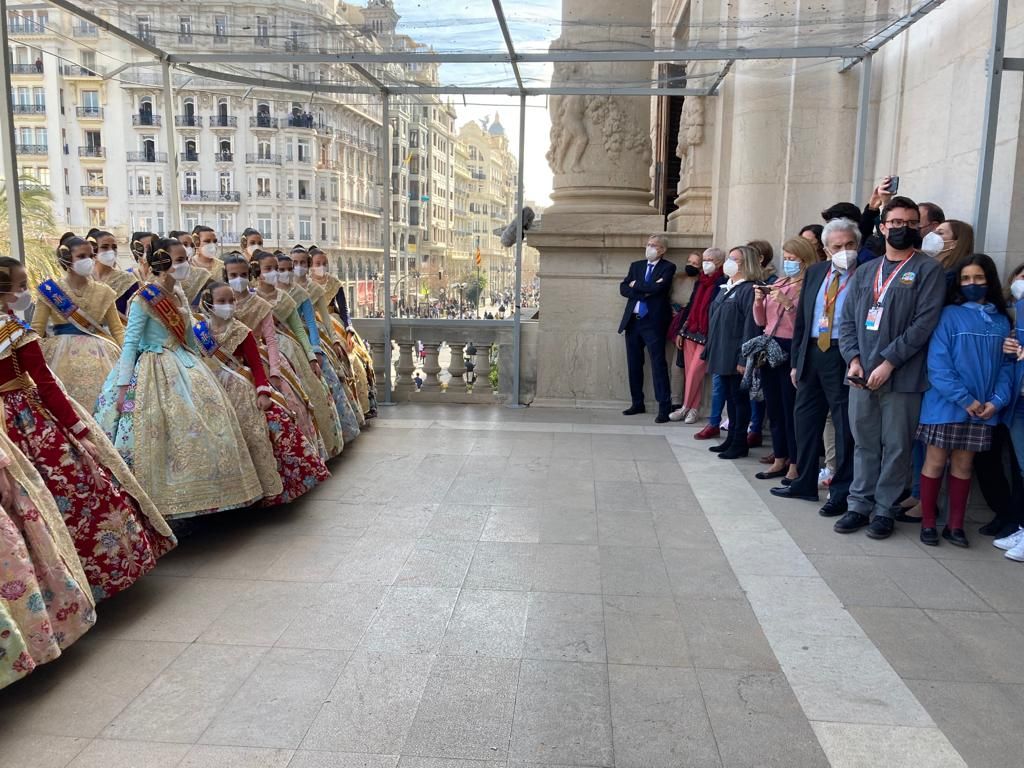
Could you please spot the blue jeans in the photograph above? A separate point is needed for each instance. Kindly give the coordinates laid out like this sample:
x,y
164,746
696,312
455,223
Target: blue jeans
x,y
757,411
717,401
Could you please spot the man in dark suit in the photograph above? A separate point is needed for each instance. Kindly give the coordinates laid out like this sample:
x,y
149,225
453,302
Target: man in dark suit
x,y
819,371
645,322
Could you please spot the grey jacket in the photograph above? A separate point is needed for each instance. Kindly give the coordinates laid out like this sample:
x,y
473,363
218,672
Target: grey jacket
x,y
911,310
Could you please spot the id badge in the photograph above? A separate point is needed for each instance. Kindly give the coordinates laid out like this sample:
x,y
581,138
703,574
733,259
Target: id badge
x,y
823,325
874,319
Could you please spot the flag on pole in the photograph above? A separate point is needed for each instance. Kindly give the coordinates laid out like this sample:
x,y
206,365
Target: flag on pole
x,y
479,258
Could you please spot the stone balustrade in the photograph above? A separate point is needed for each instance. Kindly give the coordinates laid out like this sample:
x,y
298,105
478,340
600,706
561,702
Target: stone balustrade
x,y
459,356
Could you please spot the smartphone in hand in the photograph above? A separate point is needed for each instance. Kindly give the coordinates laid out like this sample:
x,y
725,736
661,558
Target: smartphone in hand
x,y
894,185
860,381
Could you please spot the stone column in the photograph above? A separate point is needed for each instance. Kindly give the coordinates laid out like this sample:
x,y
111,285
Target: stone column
x,y
457,367
431,367
600,145
695,150
405,368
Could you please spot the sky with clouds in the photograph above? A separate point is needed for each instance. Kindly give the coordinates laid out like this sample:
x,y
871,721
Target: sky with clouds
x,y
470,26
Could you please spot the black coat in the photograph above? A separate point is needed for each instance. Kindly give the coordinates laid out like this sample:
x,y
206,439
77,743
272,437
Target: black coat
x,y
655,293
731,323
803,324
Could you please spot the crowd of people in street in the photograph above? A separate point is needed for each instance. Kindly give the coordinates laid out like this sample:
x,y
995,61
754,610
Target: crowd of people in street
x,y
883,352
199,380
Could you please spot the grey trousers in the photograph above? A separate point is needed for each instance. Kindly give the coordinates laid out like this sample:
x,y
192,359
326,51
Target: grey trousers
x,y
883,425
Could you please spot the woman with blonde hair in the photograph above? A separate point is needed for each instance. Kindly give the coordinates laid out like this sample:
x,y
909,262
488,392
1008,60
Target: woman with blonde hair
x,y
775,309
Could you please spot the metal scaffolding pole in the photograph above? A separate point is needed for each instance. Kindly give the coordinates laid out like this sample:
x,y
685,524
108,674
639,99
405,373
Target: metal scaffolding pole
x,y
860,146
983,191
10,156
173,197
517,298
386,219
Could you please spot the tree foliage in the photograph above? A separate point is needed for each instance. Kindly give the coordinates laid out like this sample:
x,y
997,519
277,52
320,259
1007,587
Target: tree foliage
x,y
39,229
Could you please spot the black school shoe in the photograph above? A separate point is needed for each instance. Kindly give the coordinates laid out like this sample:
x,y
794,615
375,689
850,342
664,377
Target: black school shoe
x,y
850,522
880,528
955,536
930,536
833,508
633,410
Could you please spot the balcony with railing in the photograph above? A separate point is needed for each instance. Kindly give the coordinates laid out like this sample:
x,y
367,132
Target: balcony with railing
x,y
146,120
301,121
185,38
31,149
89,113
224,157
146,157
144,192
188,121
294,45
263,194
94,152
27,69
76,70
26,27
146,36
84,29
223,121
357,207
260,159
189,157
460,358
265,122
93,191
210,196
28,109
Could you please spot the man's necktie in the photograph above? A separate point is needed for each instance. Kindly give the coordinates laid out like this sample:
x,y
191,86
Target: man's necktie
x,y
641,306
825,331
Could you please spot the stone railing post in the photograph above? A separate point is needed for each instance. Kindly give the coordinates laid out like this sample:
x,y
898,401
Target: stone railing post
x,y
406,367
431,366
457,367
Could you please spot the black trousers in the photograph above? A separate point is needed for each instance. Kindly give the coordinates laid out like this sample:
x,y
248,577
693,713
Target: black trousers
x,y
737,403
641,335
821,391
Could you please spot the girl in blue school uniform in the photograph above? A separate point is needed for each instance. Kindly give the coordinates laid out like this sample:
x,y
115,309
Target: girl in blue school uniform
x,y
971,381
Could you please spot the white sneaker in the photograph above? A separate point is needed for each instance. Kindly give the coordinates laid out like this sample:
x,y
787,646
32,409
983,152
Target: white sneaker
x,y
1010,542
1017,553
677,415
691,416
824,477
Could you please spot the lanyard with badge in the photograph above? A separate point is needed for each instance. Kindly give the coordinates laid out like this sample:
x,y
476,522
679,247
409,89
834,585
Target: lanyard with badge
x,y
874,319
826,319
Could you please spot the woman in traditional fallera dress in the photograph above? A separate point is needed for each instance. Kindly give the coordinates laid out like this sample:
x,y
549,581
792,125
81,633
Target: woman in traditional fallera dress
x,y
258,316
294,344
118,532
45,600
198,275
329,364
166,412
338,317
78,322
207,253
262,412
123,284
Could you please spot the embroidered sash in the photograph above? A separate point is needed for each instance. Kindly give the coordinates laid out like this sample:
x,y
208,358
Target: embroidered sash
x,y
164,309
57,298
212,349
13,333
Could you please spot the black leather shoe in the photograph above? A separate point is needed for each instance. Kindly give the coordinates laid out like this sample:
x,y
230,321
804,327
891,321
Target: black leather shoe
x,y
661,418
771,475
880,528
786,482
735,453
850,522
633,410
833,508
955,536
720,448
930,537
786,492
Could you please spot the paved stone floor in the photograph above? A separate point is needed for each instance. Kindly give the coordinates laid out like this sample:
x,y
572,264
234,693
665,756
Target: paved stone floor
x,y
481,588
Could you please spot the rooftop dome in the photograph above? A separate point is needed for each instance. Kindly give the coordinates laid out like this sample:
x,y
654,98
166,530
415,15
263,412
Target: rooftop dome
x,y
496,128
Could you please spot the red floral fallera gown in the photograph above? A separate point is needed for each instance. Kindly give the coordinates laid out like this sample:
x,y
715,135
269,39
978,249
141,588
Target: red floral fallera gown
x,y
118,534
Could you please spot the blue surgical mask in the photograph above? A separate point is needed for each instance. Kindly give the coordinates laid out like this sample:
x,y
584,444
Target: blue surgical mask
x,y
974,292
791,268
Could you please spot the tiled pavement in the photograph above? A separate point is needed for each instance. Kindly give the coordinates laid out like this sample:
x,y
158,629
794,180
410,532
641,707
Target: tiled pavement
x,y
481,588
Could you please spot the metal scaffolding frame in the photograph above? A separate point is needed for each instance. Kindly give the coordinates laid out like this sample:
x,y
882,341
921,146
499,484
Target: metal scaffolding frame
x,y
360,63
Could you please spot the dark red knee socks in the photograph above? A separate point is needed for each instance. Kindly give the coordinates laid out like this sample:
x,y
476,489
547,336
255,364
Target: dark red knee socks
x,y
929,499
959,489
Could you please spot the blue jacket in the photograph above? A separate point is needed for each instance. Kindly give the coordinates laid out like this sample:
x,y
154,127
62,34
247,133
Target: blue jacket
x,y
966,363
1016,401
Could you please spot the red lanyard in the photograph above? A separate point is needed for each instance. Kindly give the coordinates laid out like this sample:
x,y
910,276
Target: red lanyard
x,y
880,288
844,280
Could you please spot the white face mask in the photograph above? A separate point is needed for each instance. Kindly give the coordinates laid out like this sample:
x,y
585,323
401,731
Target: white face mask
x,y
251,249
730,268
21,301
239,284
319,271
301,271
209,250
285,278
843,260
180,271
270,278
84,267
652,253
1017,288
932,243
224,311
107,258
708,267
190,251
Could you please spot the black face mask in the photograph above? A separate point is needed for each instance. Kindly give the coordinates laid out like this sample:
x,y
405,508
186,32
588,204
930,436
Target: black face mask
x,y
902,238
692,271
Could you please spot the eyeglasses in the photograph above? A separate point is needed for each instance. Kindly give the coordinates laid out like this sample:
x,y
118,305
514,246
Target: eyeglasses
x,y
916,224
